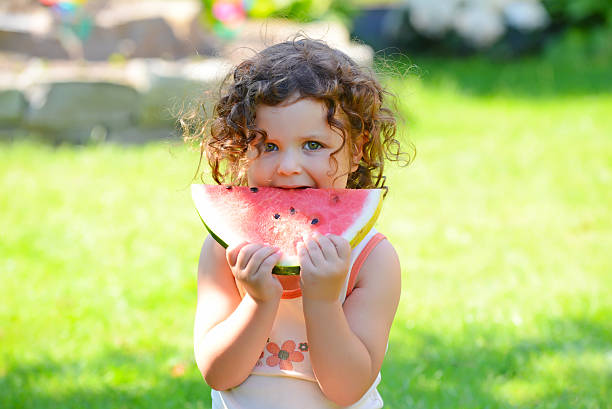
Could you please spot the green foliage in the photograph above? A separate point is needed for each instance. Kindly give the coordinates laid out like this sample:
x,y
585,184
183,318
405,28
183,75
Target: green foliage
x,y
579,11
589,28
299,10
592,45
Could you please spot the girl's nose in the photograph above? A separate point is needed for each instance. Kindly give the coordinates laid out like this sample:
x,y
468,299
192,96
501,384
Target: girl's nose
x,y
288,164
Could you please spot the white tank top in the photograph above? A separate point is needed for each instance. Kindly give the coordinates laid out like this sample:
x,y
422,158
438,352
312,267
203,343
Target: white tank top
x,y
283,377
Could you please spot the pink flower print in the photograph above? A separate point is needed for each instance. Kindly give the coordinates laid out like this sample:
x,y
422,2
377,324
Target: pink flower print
x,y
284,355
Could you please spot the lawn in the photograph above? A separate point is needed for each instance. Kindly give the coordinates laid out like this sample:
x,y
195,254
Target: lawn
x,y
502,224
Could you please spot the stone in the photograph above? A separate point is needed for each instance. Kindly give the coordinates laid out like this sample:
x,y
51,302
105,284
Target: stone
x,y
149,38
162,104
30,33
25,43
143,29
138,136
82,105
12,107
174,89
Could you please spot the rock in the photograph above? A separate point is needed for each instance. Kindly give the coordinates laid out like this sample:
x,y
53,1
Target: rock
x,y
82,106
175,88
144,29
152,29
31,34
12,107
101,44
25,43
137,136
165,100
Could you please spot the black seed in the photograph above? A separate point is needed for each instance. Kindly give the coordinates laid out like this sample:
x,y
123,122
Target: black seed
x,y
314,221
254,189
228,187
335,198
277,216
292,210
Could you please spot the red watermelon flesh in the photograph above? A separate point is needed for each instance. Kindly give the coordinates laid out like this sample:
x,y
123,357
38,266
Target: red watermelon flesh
x,y
281,217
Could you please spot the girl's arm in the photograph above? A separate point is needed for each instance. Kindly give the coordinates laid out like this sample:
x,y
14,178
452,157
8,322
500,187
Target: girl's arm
x,y
348,342
229,332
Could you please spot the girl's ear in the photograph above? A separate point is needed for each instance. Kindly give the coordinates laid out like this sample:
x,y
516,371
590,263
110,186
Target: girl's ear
x,y
357,150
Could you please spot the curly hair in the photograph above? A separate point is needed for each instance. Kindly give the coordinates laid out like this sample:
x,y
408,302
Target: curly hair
x,y
356,106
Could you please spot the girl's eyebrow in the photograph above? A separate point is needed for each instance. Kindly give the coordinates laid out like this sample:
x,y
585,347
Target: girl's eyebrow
x,y
315,135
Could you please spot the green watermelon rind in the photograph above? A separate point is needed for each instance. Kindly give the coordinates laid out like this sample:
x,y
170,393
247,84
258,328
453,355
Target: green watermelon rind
x,y
278,270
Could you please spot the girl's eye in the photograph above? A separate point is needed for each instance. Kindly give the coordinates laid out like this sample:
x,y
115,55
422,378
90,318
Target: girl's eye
x,y
313,145
270,147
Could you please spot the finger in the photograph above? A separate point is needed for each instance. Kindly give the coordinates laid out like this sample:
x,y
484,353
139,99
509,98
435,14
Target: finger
x,y
258,257
304,257
269,262
343,247
245,255
231,253
314,251
328,248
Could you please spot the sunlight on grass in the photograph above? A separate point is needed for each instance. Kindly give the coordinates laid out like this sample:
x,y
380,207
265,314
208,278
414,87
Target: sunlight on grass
x,y
568,373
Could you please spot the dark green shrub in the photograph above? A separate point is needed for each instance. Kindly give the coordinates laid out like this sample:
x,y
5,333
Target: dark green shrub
x,y
586,29
580,12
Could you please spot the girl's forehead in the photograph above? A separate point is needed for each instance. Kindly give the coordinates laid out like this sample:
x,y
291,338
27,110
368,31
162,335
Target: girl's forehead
x,y
304,112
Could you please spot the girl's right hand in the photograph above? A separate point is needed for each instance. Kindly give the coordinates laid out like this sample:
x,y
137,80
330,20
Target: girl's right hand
x,y
252,266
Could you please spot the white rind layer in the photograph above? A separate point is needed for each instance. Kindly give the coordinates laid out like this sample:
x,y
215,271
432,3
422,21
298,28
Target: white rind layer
x,y
369,210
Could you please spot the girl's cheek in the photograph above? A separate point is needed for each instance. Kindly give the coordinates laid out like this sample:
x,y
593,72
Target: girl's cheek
x,y
251,152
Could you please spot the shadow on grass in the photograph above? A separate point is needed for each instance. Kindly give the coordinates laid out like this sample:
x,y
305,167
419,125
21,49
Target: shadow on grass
x,y
114,379
531,77
528,373
432,374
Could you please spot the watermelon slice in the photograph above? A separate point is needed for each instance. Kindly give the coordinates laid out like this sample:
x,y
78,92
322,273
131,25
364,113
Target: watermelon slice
x,y
279,217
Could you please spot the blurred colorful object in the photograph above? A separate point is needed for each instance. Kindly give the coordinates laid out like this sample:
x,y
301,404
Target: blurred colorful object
x,y
226,16
73,19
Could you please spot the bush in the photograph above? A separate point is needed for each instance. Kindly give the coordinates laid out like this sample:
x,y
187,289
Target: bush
x,y
580,12
587,28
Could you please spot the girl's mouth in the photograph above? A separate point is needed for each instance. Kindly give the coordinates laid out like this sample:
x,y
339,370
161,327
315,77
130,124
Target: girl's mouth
x,y
293,187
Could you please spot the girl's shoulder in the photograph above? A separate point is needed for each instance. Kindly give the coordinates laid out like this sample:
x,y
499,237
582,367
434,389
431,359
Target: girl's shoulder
x,y
381,266
212,266
212,252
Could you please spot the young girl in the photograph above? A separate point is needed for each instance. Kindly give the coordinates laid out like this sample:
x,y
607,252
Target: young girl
x,y
298,114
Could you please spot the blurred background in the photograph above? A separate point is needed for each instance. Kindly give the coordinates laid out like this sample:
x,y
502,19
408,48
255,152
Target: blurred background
x,y
501,222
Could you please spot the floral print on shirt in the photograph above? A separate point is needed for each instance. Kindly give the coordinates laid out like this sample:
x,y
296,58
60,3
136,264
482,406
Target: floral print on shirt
x,y
284,355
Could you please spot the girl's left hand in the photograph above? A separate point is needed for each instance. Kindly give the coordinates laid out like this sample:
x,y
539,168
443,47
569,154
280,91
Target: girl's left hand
x,y
324,263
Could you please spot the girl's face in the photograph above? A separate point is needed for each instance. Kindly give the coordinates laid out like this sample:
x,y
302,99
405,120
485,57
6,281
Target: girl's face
x,y
298,150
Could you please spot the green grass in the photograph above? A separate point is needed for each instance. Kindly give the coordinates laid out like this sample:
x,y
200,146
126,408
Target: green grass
x,y
502,224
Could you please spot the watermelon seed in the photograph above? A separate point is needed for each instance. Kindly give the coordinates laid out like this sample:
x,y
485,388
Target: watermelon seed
x,y
228,187
335,199
254,189
292,210
314,221
277,216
